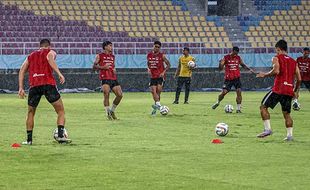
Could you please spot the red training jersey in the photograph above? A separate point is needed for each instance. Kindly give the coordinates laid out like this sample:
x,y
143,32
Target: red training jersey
x,y
232,70
156,61
107,74
284,81
304,67
40,71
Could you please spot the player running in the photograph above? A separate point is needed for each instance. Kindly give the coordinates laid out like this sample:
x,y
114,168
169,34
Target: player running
x,y
304,68
184,74
232,62
158,65
40,65
105,63
285,70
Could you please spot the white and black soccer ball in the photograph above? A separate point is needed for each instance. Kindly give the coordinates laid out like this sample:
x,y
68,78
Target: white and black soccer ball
x,y
164,110
221,129
191,64
228,108
55,134
296,106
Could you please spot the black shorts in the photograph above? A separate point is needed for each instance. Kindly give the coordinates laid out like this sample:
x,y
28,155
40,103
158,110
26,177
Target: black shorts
x,y
230,83
111,83
271,99
183,80
49,91
306,83
157,81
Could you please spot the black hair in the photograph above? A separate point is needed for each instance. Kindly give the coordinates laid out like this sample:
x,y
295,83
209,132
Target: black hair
x,y
45,42
282,44
106,43
186,48
306,49
157,43
235,48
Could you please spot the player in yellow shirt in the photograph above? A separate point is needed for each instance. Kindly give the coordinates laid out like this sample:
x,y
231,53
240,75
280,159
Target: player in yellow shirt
x,y
184,74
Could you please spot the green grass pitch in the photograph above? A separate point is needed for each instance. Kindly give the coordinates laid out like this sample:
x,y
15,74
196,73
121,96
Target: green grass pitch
x,y
161,152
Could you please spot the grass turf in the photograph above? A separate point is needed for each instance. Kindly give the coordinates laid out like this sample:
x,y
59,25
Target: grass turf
x,y
161,152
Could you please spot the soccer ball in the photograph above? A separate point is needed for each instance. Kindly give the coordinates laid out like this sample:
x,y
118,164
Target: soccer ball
x,y
228,108
296,106
221,129
191,64
164,110
56,134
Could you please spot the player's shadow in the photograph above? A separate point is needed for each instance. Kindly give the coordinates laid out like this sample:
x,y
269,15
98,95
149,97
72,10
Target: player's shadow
x,y
184,115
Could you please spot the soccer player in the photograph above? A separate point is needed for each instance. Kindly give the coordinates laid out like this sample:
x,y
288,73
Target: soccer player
x,y
304,68
40,65
105,63
184,74
158,65
285,70
231,63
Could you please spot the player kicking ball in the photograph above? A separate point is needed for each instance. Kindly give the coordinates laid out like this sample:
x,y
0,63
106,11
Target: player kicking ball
x,y
105,63
231,62
158,65
40,65
285,70
304,68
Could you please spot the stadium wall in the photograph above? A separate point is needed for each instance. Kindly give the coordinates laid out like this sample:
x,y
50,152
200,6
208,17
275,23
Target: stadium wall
x,y
138,61
204,79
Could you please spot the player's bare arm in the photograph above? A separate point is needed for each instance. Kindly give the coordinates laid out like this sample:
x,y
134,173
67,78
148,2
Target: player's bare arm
x,y
168,65
51,60
96,65
274,71
298,82
246,67
221,64
21,76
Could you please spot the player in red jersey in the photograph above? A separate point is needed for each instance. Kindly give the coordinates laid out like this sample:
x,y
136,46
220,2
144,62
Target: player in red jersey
x,y
285,70
232,62
158,65
304,68
105,63
40,65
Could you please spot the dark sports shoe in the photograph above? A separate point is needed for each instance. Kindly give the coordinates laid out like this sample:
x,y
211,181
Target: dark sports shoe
x,y
27,143
154,107
186,102
175,102
63,140
264,134
288,138
113,115
238,111
214,106
109,115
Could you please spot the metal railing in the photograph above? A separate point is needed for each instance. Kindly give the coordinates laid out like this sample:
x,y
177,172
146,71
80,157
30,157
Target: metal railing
x,y
24,48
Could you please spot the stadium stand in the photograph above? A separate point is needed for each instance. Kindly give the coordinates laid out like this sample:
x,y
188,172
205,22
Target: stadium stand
x,y
292,24
168,21
124,21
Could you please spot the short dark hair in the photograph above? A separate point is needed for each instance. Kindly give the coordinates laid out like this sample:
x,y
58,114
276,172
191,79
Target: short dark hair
x,y
235,48
106,43
186,48
282,44
157,43
45,42
306,49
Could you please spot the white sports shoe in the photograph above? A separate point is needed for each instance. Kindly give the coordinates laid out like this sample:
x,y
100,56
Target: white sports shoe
x,y
27,143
